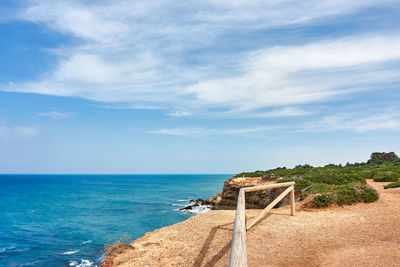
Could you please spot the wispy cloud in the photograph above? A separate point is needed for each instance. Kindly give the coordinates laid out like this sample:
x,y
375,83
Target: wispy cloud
x,y
193,131
55,115
388,119
356,124
303,74
283,112
180,113
142,54
8,132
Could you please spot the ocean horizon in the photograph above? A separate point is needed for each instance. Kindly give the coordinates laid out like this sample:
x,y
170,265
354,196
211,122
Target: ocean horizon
x,y
67,219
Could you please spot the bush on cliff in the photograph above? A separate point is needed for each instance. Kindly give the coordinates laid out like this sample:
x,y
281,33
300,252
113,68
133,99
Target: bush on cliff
x,y
323,200
344,195
392,185
386,177
369,195
300,183
337,184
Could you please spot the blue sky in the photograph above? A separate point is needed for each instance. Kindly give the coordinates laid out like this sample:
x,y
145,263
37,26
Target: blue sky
x,y
196,86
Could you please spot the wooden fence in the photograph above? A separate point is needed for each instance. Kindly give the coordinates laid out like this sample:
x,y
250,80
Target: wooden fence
x,y
238,256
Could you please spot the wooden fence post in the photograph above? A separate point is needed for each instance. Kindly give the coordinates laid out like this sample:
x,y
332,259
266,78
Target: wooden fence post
x,y
238,256
292,203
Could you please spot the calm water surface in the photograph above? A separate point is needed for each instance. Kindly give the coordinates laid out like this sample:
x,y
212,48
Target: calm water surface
x,y
59,220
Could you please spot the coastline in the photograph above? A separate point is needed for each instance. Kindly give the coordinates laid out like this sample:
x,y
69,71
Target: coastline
x,y
337,236
81,213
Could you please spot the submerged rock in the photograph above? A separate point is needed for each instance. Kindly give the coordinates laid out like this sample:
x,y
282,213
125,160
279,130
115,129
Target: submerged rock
x,y
197,206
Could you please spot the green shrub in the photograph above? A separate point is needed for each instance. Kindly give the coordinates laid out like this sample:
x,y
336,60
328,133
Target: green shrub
x,y
386,177
300,184
392,185
335,183
320,188
334,178
346,195
323,200
369,195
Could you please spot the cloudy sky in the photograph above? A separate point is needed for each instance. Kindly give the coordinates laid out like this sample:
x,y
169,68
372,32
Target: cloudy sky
x,y
217,86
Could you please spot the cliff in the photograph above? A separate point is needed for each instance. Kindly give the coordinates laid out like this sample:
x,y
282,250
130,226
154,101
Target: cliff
x,y
227,198
356,235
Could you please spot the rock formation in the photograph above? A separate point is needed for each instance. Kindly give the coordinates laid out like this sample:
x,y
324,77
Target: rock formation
x,y
227,199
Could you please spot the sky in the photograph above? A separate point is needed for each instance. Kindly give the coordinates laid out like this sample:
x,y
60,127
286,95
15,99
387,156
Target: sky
x,y
220,86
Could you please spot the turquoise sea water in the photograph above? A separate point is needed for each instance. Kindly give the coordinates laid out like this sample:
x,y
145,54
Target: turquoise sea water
x,y
65,220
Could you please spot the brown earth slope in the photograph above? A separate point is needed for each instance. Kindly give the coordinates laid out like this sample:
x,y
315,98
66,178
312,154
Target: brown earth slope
x,y
357,235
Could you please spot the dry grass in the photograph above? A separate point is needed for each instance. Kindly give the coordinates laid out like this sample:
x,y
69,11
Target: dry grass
x,y
118,247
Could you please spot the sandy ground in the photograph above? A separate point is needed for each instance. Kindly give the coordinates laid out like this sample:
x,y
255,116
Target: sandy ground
x,y
357,235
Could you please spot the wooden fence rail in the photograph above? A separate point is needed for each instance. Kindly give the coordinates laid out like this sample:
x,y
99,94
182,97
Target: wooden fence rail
x,y
238,256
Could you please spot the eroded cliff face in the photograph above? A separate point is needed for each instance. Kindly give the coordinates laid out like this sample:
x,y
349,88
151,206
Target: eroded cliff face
x,y
227,199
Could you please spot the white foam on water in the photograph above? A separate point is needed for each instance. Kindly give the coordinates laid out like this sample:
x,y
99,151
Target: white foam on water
x,y
70,252
179,205
22,249
198,209
33,263
86,242
5,249
100,258
84,263
183,200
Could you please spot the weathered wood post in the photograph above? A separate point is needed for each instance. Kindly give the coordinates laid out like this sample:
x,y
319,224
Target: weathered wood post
x,y
270,206
238,257
292,202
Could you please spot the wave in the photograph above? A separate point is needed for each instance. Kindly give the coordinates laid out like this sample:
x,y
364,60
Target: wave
x,y
12,250
5,249
199,209
183,200
86,242
193,206
21,250
70,252
84,263
33,263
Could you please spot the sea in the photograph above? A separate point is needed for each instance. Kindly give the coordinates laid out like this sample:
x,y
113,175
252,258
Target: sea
x,y
67,220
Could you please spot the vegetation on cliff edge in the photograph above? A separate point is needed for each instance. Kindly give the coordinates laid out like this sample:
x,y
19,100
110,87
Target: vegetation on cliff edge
x,y
337,184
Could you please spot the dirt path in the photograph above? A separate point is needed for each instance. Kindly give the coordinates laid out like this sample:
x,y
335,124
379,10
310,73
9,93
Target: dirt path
x,y
358,235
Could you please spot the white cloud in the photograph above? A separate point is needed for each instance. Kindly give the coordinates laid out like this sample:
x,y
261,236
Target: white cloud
x,y
87,69
358,123
193,131
352,123
284,112
8,132
283,75
180,113
55,115
107,22
283,12
77,19
134,54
